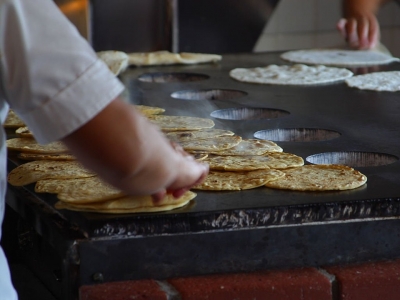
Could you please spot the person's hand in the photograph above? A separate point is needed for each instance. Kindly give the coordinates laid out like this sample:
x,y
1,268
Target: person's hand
x,y
131,153
360,31
177,189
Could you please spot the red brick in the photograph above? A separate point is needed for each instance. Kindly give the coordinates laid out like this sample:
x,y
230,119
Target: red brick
x,y
296,284
123,290
368,281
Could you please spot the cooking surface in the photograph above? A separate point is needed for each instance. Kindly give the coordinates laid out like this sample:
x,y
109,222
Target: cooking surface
x,y
204,237
367,121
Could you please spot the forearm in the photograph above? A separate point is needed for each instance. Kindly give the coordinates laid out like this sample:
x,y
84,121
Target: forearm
x,y
129,152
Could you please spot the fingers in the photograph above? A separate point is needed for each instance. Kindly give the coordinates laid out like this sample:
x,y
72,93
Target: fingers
x,y
361,32
341,26
193,173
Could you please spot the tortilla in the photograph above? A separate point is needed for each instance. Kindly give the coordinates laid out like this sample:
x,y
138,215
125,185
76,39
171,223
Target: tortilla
x,y
215,144
378,81
250,147
30,145
117,61
199,156
37,156
298,74
273,160
181,136
12,120
180,123
79,190
235,181
43,169
169,58
319,178
149,110
24,132
338,57
130,204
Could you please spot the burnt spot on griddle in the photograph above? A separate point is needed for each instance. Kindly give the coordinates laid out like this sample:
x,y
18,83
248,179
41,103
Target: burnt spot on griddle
x,y
297,134
245,113
160,77
353,159
211,94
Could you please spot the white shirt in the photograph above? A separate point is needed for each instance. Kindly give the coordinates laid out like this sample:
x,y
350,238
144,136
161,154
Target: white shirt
x,y
51,77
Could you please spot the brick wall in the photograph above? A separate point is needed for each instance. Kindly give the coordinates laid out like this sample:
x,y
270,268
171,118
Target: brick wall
x,y
367,281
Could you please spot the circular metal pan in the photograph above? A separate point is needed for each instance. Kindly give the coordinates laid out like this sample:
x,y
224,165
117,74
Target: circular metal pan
x,y
297,134
244,113
353,158
212,94
171,77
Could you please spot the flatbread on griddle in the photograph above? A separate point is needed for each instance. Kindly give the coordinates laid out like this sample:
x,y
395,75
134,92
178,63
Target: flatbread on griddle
x,y
29,145
79,190
250,147
178,123
130,204
117,61
12,120
37,156
270,160
319,178
169,58
218,143
149,110
198,58
24,132
298,74
43,169
338,57
235,181
378,81
183,136
199,156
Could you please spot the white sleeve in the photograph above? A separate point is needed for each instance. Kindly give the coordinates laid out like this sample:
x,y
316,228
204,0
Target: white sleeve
x,y
50,75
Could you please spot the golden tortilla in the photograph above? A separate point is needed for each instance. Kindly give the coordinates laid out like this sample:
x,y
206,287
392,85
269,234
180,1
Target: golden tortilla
x,y
24,132
12,120
319,178
149,110
181,123
236,181
251,147
43,169
271,160
37,156
130,204
218,143
184,136
30,145
79,190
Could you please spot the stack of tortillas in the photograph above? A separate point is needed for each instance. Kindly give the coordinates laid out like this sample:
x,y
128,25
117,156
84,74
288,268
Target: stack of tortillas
x,y
80,189
55,171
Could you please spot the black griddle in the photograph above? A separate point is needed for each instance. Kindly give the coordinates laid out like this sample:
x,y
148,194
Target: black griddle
x,y
222,232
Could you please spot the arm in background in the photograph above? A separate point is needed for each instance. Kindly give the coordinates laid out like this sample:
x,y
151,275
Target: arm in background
x,y
359,25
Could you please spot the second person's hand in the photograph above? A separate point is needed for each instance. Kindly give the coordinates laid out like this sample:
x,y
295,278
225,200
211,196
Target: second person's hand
x,y
361,32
